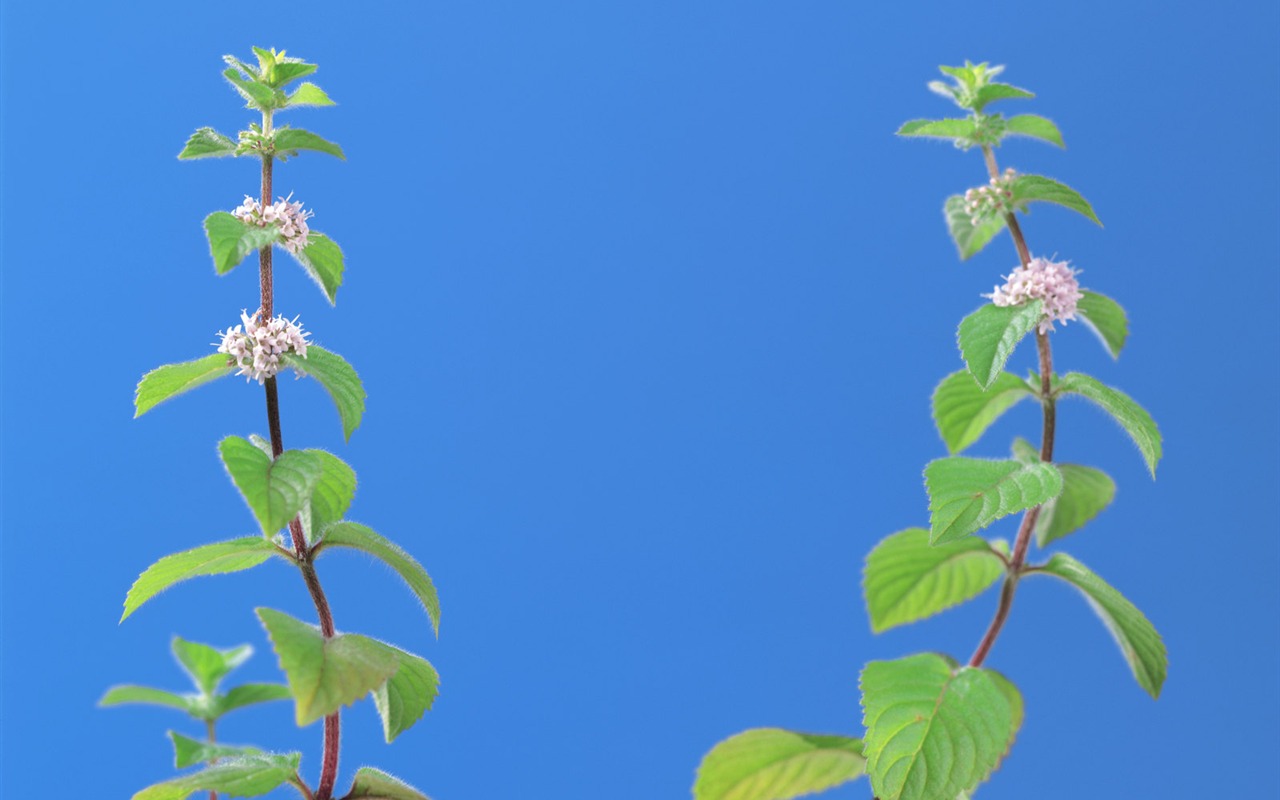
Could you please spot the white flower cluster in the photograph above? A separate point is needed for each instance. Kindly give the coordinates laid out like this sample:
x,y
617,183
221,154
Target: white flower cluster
x,y
257,348
288,217
1051,281
994,198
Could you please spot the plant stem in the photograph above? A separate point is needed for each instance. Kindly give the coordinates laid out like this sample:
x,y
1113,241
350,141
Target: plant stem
x,y
211,728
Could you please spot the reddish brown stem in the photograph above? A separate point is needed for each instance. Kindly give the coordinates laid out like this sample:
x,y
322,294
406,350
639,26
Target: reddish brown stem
x,y
211,727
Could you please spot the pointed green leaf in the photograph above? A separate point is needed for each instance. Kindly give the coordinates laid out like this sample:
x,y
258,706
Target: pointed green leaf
x,y
207,665
775,764
122,695
1034,126
1132,417
968,494
230,240
360,537
326,674
1137,637
988,336
207,143
969,238
246,776
1105,318
332,496
1025,451
955,129
1038,188
284,73
1085,493
409,694
171,380
339,380
248,694
934,731
211,559
275,490
998,91
308,94
258,95
374,784
188,752
907,579
291,140
323,262
963,411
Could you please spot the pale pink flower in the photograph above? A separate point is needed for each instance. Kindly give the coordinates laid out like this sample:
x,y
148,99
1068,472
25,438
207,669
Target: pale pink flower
x,y
288,217
1053,282
257,349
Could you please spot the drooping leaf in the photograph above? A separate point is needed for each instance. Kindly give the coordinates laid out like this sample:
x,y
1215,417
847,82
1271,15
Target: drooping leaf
x,y
1038,188
275,490
1085,493
171,380
998,91
954,129
207,665
988,336
207,143
230,240
374,784
123,695
188,752
1137,637
1105,318
332,496
361,537
245,776
323,262
968,494
409,694
210,559
934,731
1132,417
908,579
338,378
291,140
1034,126
969,238
247,694
308,94
963,411
776,764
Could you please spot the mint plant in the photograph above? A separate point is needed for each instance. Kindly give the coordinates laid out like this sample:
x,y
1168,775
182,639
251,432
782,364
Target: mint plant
x,y
298,498
936,728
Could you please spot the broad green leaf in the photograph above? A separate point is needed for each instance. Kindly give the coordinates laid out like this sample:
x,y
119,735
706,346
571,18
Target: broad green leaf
x,y
207,665
323,262
1137,637
291,140
207,143
332,496
122,695
908,579
934,731
1105,318
408,695
997,91
969,238
1034,126
374,784
230,240
248,694
1038,188
259,96
338,378
246,776
211,559
275,490
360,537
326,674
988,336
171,380
955,129
963,411
775,764
1085,493
188,752
308,94
968,494
1132,417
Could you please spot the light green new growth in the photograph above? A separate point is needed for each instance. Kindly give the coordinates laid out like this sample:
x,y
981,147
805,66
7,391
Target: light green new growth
x,y
988,336
908,579
775,764
1105,318
969,238
409,694
963,411
171,380
145,695
276,490
206,665
339,380
188,752
361,537
1086,492
246,776
953,129
968,494
1132,417
209,559
248,694
308,94
374,784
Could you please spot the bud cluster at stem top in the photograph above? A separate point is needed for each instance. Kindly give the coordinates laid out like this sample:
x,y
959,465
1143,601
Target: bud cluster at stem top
x,y
994,198
257,349
288,217
1054,282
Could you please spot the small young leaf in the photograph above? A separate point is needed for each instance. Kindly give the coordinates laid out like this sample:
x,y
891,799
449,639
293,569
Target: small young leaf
x,y
207,143
360,537
287,72
258,95
339,380
963,411
308,94
1085,493
1025,451
1132,417
1137,637
332,496
211,559
954,129
171,380
998,91
230,240
290,140
374,784
409,694
776,764
1033,188
188,752
326,674
969,238
968,494
1105,318
275,490
1035,127
907,579
206,665
122,695
246,776
248,694
988,336
323,262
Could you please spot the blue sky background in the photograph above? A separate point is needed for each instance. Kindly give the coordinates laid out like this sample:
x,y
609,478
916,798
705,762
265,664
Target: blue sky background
x,y
649,303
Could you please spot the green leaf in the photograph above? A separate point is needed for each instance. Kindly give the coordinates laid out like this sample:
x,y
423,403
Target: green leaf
x,y
997,91
1025,451
230,240
969,238
955,129
259,96
246,776
908,579
775,764
1034,126
211,559
171,380
291,140
122,695
332,496
1132,417
207,143
1137,637
206,665
188,752
326,674
248,694
308,94
1085,493
1034,188
360,537
1105,318
338,378
934,731
322,259
409,694
275,490
968,494
963,411
287,72
374,784
988,336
